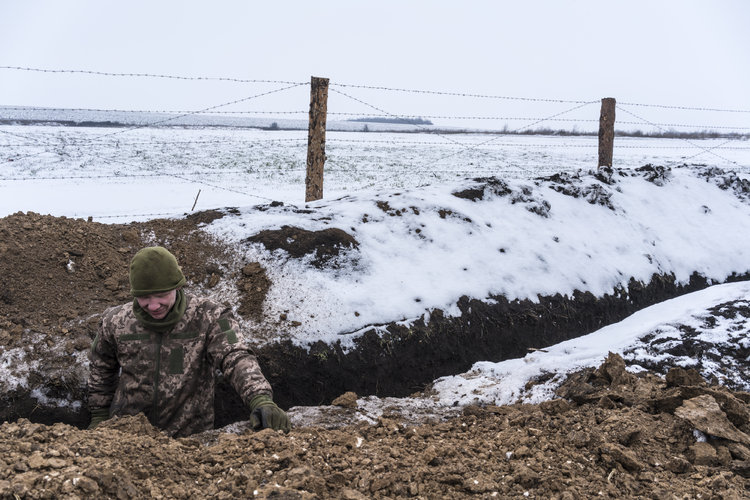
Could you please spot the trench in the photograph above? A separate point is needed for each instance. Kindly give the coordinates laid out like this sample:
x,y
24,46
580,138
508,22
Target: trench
x,y
403,360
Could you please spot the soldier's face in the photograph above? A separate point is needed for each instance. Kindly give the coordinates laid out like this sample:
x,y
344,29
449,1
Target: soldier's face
x,y
158,305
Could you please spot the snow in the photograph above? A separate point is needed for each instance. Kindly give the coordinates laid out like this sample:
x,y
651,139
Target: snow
x,y
504,382
121,175
15,369
488,247
420,247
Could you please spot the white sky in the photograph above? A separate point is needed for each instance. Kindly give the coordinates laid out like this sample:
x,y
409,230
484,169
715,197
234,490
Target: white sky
x,y
670,52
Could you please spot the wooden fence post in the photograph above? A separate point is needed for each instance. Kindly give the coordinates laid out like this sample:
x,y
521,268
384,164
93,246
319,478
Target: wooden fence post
x,y
316,139
606,131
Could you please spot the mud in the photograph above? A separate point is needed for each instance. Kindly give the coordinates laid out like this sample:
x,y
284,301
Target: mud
x,y
614,435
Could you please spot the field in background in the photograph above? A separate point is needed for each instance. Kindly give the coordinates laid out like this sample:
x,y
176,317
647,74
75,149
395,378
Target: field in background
x,y
124,174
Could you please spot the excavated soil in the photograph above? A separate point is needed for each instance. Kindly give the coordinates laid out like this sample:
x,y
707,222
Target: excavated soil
x,y
614,435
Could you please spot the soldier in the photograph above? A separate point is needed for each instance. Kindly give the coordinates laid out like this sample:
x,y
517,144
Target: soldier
x,y
159,354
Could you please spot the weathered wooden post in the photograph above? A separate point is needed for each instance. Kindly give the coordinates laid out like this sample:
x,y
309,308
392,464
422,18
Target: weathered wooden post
x,y
606,131
316,139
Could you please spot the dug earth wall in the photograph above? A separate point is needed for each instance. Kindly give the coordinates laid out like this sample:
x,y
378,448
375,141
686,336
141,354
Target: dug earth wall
x,y
58,274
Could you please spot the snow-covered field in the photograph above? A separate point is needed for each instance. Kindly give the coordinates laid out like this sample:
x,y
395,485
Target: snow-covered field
x,y
125,174
420,247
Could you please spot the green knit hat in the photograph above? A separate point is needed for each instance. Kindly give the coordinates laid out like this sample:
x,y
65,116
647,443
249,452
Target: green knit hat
x,y
154,270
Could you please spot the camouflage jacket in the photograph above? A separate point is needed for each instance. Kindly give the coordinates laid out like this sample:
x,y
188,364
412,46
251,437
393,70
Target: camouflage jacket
x,y
170,376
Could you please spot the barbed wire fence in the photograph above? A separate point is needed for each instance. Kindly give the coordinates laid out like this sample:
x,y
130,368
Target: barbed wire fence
x,y
373,139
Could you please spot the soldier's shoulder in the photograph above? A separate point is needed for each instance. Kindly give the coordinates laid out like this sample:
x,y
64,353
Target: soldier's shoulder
x,y
205,306
117,312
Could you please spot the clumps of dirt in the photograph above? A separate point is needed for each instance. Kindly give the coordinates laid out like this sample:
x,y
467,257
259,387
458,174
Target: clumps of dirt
x,y
570,185
728,181
655,173
596,193
628,437
324,245
253,285
726,356
532,204
55,269
395,212
450,214
485,186
606,175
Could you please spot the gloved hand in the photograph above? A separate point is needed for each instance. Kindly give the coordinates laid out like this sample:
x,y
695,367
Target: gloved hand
x,y
264,414
98,415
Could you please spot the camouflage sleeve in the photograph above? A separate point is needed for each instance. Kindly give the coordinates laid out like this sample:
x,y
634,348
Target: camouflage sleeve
x,y
103,369
236,361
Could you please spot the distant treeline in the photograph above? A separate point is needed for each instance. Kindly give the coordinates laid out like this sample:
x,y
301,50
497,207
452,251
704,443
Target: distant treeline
x,y
666,134
669,134
63,123
399,121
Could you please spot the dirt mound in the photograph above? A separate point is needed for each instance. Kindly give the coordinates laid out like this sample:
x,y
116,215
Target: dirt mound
x,y
54,270
323,245
618,436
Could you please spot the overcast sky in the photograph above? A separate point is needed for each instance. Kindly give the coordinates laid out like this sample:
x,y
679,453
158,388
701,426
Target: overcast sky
x,y
668,52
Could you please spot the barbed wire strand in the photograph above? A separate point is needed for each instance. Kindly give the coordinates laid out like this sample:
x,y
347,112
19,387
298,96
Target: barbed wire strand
x,y
118,175
525,126
520,118
202,110
706,150
150,75
592,138
48,144
151,124
464,146
367,87
707,128
167,143
389,114
684,108
143,111
457,94
302,141
529,99
22,136
181,177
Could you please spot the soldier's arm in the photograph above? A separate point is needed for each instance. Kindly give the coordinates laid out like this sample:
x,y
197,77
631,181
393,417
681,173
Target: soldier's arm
x,y
235,360
240,366
103,370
